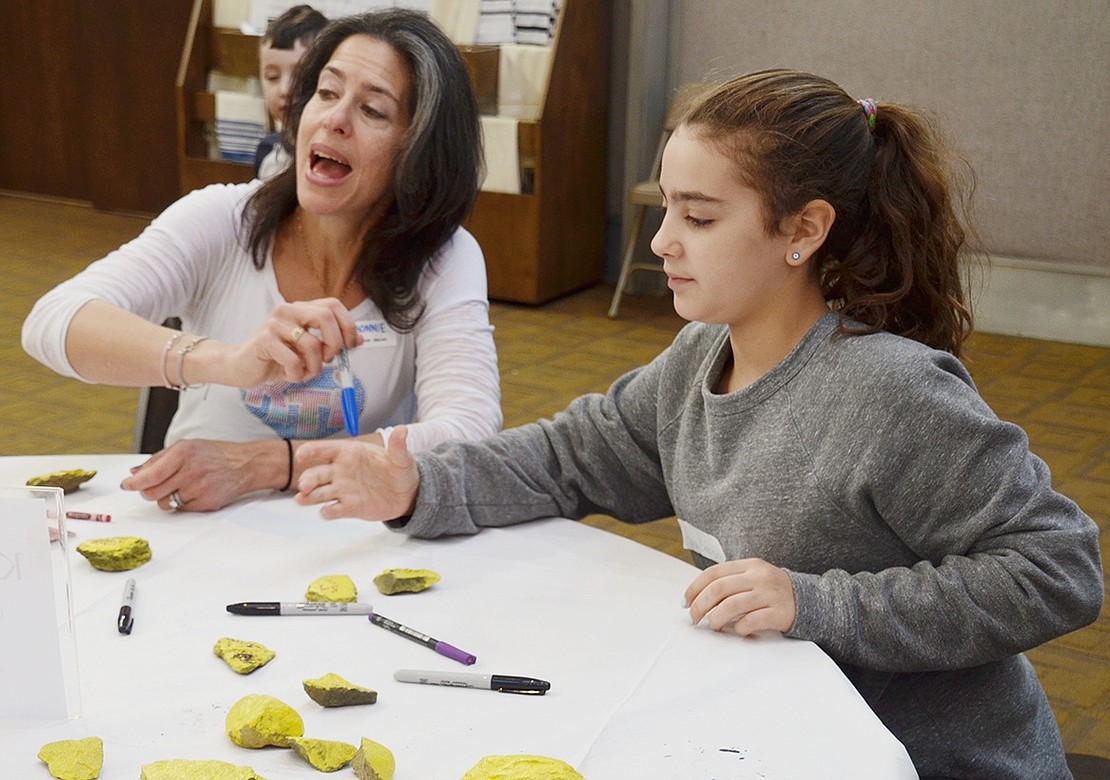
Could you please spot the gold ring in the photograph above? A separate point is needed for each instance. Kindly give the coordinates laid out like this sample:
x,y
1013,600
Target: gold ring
x,y
296,334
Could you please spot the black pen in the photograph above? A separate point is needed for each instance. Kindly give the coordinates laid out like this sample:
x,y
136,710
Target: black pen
x,y
502,683
126,620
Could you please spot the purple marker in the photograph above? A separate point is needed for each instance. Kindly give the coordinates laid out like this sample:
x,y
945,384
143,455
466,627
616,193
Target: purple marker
x,y
442,648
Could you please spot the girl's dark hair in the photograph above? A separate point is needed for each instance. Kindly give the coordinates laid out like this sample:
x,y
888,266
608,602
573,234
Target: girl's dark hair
x,y
436,174
891,260
299,23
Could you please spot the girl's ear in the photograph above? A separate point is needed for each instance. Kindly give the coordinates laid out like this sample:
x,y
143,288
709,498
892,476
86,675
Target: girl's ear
x,y
810,226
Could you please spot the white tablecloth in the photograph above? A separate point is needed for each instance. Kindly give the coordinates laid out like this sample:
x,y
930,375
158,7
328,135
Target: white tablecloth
x,y
636,691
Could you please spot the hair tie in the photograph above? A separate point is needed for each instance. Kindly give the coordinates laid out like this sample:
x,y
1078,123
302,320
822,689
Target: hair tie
x,y
869,110
289,479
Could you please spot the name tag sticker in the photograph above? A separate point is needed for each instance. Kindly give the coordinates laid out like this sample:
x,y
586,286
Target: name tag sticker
x,y
705,545
377,334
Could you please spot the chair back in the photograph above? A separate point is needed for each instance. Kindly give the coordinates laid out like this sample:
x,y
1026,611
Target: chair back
x,y
647,193
156,408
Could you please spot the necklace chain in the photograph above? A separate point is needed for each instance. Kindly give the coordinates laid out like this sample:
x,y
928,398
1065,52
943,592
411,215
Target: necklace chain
x,y
322,272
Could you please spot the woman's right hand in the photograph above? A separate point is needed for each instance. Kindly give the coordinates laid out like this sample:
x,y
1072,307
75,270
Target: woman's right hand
x,y
357,478
292,345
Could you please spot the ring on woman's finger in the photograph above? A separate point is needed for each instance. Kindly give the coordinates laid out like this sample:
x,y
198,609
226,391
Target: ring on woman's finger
x,y
175,501
295,334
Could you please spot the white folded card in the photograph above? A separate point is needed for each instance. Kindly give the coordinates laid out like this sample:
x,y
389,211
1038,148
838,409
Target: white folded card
x,y
499,141
38,658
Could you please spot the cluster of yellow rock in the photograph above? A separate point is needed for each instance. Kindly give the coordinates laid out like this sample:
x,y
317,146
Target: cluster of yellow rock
x,y
333,587
68,480
522,768
392,581
243,656
74,759
259,720
116,553
340,587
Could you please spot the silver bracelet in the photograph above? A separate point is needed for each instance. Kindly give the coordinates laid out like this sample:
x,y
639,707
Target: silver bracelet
x,y
162,366
181,363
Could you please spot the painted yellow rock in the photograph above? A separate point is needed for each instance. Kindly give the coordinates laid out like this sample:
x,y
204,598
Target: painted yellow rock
x,y
333,587
373,761
331,690
243,656
393,581
116,553
522,768
68,480
190,769
258,720
325,755
74,759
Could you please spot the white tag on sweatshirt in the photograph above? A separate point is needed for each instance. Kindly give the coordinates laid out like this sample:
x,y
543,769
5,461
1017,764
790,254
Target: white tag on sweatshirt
x,y
704,544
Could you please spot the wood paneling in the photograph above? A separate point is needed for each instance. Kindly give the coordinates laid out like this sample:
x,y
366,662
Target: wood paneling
x,y
42,108
131,54
87,108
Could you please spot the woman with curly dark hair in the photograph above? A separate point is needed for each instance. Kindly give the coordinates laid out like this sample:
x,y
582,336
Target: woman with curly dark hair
x,y
354,252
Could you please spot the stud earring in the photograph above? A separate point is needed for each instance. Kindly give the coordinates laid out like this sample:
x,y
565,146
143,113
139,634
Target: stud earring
x,y
796,256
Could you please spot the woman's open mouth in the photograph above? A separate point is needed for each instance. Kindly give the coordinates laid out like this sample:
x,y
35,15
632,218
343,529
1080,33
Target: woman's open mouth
x,y
328,165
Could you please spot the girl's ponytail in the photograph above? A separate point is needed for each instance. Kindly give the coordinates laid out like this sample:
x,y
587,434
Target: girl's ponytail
x,y
903,272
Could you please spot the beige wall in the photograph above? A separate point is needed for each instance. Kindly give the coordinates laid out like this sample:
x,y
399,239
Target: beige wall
x,y
1023,86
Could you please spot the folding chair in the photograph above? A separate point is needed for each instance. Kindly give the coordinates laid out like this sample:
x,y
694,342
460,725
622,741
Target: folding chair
x,y
646,194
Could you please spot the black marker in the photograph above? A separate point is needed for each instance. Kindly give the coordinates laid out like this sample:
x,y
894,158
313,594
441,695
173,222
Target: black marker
x,y
502,683
299,608
125,620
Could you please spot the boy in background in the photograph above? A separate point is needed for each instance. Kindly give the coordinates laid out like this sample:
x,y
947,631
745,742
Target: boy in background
x,y
286,40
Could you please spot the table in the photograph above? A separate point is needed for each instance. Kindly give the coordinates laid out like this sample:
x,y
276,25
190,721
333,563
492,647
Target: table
x,y
637,692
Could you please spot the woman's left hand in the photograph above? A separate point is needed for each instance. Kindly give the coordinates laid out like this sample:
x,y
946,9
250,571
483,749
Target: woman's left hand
x,y
748,596
199,475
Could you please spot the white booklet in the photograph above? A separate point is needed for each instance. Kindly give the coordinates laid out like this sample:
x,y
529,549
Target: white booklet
x,y
38,646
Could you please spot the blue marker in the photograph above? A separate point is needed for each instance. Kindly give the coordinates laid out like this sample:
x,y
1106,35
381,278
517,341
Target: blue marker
x,y
350,405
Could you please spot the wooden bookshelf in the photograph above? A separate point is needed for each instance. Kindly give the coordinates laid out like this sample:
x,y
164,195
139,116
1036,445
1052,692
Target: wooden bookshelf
x,y
207,48
543,243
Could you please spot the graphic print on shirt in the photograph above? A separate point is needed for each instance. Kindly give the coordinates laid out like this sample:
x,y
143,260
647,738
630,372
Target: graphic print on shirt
x,y
302,410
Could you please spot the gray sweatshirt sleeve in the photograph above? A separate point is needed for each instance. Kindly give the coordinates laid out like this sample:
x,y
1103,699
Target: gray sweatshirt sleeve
x,y
598,455
1003,561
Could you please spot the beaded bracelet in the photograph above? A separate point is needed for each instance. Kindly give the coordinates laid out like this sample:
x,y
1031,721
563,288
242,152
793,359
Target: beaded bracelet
x,y
162,366
181,363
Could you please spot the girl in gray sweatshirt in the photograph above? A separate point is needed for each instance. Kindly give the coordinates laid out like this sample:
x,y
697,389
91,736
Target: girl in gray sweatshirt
x,y
834,469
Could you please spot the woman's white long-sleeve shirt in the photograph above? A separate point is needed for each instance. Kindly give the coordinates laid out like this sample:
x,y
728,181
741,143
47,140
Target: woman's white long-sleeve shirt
x,y
191,262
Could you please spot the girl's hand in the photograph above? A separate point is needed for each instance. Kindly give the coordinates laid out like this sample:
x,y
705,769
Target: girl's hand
x,y
746,596
357,478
